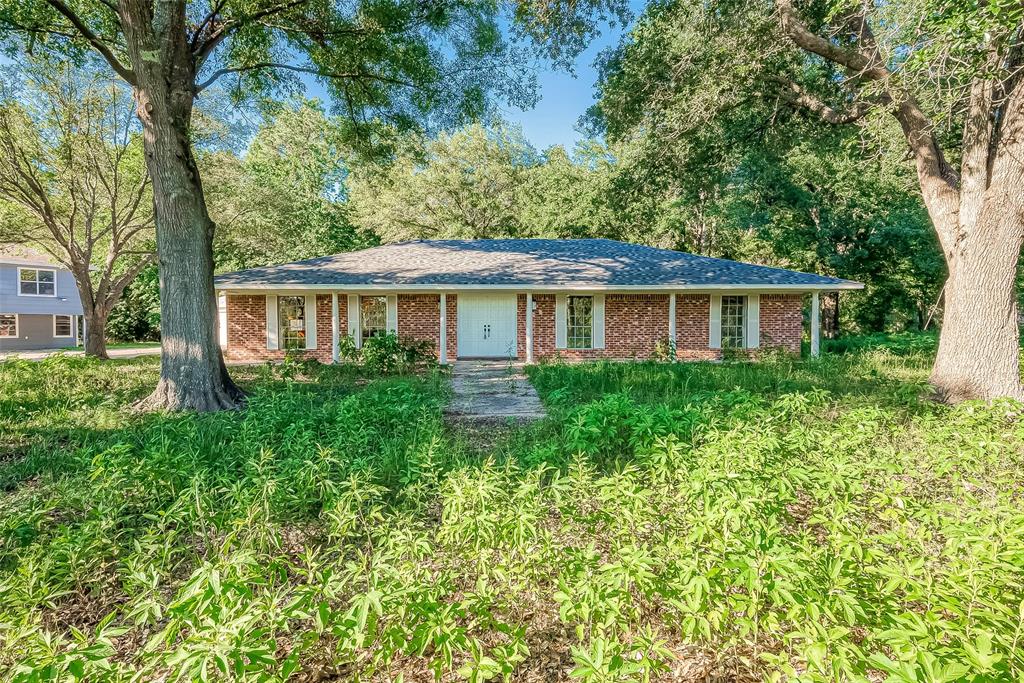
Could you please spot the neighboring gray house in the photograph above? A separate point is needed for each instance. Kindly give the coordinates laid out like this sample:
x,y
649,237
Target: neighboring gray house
x,y
39,303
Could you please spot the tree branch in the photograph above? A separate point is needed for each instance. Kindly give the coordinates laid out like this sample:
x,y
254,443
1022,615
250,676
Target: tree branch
x,y
222,31
299,69
97,44
854,61
208,19
796,95
939,181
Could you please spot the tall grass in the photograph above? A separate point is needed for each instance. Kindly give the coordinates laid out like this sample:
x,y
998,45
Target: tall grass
x,y
817,521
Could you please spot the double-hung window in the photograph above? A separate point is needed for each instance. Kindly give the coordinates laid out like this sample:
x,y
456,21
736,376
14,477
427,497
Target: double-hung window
x,y
8,325
62,326
734,322
373,316
291,321
579,320
37,282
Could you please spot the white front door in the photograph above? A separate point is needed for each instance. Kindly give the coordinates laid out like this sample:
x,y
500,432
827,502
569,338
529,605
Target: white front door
x,y
487,325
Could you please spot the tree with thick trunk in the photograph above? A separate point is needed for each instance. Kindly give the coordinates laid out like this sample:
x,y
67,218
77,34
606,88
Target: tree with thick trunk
x,y
388,64
71,171
978,209
699,81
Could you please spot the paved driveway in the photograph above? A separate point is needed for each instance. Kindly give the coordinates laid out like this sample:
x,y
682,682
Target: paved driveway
x,y
113,353
493,390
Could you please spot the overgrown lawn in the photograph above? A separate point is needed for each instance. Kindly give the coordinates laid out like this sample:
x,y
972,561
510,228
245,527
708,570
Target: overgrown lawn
x,y
735,521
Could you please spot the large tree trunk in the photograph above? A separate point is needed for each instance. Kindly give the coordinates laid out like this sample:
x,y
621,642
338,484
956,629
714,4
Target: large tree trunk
x,y
192,371
96,334
978,212
979,341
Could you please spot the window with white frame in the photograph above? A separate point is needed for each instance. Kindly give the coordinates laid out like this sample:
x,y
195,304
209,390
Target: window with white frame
x,y
37,282
8,325
734,310
373,316
291,321
579,320
62,326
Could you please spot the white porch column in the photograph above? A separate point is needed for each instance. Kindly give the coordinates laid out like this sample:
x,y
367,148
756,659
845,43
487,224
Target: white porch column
x,y
672,318
443,337
529,327
335,328
222,319
815,326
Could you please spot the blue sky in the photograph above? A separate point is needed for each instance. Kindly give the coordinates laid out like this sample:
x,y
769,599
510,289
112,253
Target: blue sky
x,y
564,98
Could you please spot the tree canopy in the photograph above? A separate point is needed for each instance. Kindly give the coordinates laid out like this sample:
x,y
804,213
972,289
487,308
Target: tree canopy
x,y
389,65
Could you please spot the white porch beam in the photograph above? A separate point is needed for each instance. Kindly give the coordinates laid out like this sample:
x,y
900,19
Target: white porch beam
x,y
443,337
815,325
335,329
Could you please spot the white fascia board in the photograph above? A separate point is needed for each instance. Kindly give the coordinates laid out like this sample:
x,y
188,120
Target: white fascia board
x,y
537,289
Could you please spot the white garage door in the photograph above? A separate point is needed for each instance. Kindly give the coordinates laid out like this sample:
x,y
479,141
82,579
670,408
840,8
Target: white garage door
x,y
487,325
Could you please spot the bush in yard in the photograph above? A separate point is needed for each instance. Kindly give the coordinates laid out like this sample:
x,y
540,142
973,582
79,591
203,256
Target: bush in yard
x,y
789,521
388,354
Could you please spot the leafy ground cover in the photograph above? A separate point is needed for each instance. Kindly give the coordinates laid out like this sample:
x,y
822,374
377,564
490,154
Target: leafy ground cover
x,y
788,520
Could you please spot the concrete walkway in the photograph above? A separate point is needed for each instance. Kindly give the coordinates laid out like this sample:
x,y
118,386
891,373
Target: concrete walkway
x,y
493,390
113,353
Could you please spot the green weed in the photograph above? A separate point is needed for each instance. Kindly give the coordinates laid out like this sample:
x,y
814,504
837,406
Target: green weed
x,y
813,521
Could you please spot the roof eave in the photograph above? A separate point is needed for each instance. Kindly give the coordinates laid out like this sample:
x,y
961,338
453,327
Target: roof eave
x,y
262,286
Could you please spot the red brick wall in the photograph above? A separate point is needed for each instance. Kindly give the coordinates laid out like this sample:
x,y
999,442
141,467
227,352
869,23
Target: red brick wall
x,y
247,329
693,324
521,327
634,324
543,326
419,318
782,321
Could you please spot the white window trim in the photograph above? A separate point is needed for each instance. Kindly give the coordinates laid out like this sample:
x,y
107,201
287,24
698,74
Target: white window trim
x,y
71,326
16,328
593,314
744,328
597,321
390,316
39,270
279,339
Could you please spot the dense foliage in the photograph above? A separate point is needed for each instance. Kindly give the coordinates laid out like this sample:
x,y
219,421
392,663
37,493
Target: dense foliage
x,y
816,519
696,94
482,182
283,199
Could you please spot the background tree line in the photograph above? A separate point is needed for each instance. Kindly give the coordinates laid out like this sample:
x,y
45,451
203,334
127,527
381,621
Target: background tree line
x,y
290,188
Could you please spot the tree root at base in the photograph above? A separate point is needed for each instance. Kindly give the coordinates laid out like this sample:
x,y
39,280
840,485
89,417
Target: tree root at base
x,y
173,398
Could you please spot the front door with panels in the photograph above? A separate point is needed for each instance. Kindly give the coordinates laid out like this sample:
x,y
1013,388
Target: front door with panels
x,y
487,325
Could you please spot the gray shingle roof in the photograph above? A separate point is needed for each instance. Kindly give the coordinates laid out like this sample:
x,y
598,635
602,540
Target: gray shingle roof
x,y
509,263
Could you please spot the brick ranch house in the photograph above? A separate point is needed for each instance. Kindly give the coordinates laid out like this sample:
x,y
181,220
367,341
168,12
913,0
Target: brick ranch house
x,y
519,298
